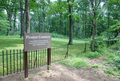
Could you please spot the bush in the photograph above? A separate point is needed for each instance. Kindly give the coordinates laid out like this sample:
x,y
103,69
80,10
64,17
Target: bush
x,y
92,55
117,60
75,62
99,43
55,35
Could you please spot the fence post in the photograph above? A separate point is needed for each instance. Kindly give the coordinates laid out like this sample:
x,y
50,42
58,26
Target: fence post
x,y
66,56
85,48
48,58
3,61
25,64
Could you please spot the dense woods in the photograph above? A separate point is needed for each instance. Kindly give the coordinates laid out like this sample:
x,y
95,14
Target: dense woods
x,y
73,18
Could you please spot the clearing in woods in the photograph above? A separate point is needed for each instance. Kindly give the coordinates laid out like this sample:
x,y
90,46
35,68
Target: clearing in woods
x,y
59,72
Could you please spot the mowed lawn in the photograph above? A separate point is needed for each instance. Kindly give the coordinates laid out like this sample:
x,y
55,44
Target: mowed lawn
x,y
58,52
15,42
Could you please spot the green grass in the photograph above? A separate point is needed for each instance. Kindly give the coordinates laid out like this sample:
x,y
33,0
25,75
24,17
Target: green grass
x,y
76,59
76,62
11,42
15,42
57,53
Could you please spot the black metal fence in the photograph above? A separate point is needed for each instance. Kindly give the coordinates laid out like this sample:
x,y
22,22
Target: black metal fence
x,y
12,61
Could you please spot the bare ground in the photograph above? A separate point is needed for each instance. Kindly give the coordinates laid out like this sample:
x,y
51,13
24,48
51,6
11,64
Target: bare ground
x,y
59,72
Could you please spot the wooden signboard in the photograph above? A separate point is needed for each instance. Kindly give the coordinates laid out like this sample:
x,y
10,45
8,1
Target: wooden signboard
x,y
34,41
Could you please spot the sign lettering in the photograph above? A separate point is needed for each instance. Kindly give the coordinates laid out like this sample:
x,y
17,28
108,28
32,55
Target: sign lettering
x,y
34,41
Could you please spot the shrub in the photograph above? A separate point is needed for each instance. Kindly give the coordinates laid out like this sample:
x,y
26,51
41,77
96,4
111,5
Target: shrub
x,y
99,43
117,61
92,55
75,62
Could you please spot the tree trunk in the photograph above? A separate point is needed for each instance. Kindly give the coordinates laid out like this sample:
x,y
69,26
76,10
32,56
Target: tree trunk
x,y
39,24
14,23
91,31
9,19
43,29
85,21
108,21
96,30
24,14
83,31
93,39
70,25
94,34
93,9
78,31
95,19
61,23
22,18
27,16
65,29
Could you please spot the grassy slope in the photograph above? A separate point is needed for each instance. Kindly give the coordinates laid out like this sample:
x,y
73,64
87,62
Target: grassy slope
x,y
76,59
15,42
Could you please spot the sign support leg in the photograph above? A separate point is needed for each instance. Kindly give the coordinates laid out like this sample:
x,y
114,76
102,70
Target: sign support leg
x,y
48,58
25,64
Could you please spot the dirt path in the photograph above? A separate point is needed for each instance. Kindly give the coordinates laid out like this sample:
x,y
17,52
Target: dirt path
x,y
61,73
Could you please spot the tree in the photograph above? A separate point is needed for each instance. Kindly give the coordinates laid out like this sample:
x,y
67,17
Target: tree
x,y
93,13
15,10
70,24
22,13
27,16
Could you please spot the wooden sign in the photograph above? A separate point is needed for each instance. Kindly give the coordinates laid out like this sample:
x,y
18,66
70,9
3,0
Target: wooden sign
x,y
34,41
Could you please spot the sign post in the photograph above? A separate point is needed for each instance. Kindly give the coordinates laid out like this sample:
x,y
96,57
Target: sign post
x,y
35,41
26,64
48,58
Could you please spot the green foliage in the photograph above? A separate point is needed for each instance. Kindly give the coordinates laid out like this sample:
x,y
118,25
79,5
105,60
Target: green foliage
x,y
113,1
3,23
95,66
99,43
112,61
108,72
116,60
115,28
75,62
92,55
116,46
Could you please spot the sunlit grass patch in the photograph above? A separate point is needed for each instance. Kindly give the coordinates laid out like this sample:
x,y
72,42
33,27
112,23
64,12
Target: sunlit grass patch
x,y
76,62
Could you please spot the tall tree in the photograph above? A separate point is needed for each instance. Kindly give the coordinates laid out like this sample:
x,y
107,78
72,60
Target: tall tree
x,y
43,5
70,24
15,11
93,13
22,12
60,12
27,3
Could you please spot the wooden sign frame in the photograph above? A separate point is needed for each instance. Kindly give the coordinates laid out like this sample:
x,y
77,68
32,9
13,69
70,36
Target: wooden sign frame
x,y
35,41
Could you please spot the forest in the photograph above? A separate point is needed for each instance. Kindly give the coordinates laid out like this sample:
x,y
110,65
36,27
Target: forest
x,y
72,18
82,31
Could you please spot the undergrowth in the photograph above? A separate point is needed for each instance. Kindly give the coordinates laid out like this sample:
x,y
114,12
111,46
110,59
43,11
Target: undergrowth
x,y
76,62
